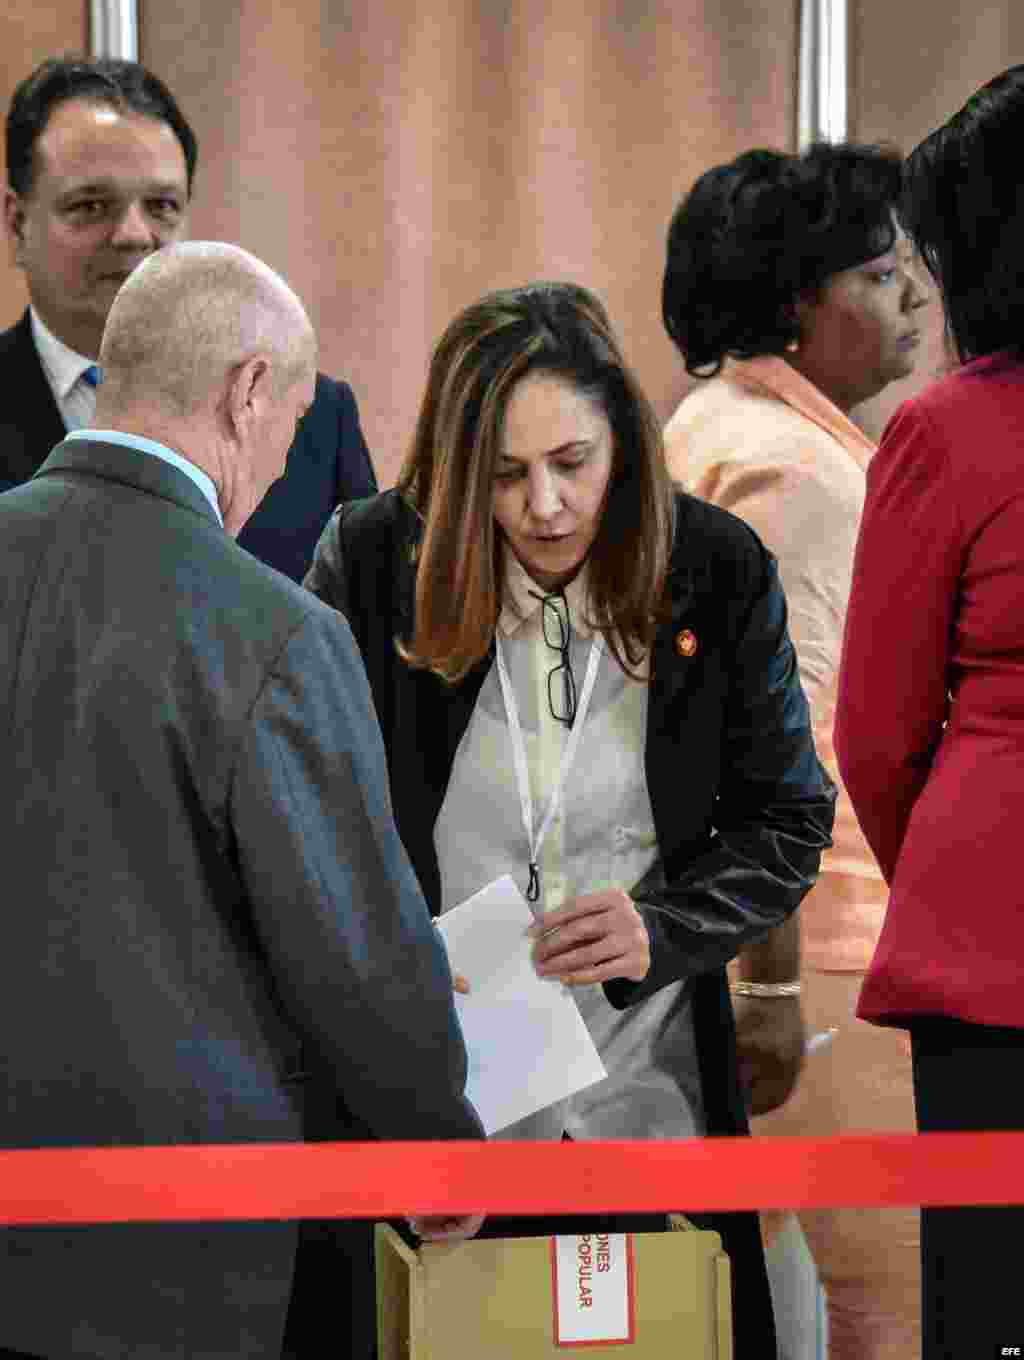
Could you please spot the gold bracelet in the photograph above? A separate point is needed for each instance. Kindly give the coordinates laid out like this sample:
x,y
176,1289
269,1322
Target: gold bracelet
x,y
771,990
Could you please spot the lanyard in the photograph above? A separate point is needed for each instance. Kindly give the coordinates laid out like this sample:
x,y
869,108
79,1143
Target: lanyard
x,y
535,841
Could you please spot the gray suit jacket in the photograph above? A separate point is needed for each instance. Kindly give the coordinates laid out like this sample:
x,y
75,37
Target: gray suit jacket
x,y
206,899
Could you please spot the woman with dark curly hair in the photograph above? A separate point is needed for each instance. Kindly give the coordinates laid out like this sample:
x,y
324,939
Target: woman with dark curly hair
x,y
930,720
584,680
788,287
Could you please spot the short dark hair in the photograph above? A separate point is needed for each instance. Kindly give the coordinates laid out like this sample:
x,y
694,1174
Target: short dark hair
x,y
754,235
124,85
963,207
543,328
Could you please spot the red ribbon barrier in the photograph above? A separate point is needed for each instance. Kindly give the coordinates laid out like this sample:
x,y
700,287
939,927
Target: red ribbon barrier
x,y
386,1180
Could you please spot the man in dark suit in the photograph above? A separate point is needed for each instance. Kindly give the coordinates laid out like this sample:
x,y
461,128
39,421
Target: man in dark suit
x,y
100,164
212,927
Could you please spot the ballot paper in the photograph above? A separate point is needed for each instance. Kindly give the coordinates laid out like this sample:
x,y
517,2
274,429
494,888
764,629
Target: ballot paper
x,y
527,1043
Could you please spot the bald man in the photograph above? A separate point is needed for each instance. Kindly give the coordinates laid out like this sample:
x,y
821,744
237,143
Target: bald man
x,y
210,924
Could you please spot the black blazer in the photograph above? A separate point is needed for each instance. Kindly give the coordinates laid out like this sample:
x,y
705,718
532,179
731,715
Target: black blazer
x,y
741,805
211,919
328,463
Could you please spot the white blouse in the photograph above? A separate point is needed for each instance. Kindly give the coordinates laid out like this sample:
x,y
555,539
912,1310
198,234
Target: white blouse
x,y
603,836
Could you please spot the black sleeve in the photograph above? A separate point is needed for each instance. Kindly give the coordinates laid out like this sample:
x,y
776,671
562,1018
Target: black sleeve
x,y
327,577
773,815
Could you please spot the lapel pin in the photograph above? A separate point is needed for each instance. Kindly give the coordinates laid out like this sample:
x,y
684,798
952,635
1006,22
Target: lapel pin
x,y
686,643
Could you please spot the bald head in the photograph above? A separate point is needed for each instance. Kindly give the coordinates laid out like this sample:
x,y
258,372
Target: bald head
x,y
186,318
210,353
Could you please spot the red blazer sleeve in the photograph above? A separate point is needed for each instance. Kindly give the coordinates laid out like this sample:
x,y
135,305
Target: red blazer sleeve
x,y
893,686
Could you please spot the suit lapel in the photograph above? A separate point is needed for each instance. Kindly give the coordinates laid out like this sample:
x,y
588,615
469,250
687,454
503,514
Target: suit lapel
x,y
429,719
681,653
30,422
442,711
677,647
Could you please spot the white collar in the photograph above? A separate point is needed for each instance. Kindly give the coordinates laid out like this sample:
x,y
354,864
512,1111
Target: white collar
x,y
521,596
64,366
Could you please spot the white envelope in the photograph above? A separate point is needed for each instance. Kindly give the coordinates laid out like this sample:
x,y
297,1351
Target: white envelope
x,y
527,1043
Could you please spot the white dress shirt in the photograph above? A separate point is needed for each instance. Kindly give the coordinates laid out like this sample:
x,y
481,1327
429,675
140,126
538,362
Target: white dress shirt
x,y
75,398
603,836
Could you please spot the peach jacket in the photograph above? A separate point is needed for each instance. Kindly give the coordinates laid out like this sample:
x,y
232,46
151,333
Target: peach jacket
x,y
763,442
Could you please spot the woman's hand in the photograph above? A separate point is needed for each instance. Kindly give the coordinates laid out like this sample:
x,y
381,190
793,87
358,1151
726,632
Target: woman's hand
x,y
592,938
446,1227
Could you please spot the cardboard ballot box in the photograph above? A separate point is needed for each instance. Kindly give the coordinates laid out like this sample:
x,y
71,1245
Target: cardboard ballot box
x,y
643,1295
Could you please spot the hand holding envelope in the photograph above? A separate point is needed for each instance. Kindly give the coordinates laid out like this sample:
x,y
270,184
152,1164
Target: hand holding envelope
x,y
592,938
528,1045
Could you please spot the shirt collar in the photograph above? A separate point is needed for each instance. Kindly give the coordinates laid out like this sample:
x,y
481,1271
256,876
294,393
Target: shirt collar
x,y
138,442
768,373
521,597
64,366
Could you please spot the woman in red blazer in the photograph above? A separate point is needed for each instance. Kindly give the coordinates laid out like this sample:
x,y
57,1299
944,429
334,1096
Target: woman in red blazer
x,y
930,721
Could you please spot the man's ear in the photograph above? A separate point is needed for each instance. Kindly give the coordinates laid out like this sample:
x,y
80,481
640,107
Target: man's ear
x,y
248,392
14,224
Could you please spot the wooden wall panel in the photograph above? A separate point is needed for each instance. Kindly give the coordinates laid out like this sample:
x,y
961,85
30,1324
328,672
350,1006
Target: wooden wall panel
x,y
29,33
396,159
197,50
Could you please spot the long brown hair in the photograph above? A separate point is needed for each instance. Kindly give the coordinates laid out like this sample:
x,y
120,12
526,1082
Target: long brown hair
x,y
448,477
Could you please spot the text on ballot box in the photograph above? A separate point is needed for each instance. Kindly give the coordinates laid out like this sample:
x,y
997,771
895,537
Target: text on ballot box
x,y
592,1286
499,1297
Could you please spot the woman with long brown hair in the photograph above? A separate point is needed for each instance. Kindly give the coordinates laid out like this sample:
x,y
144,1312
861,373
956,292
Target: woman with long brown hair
x,y
584,680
